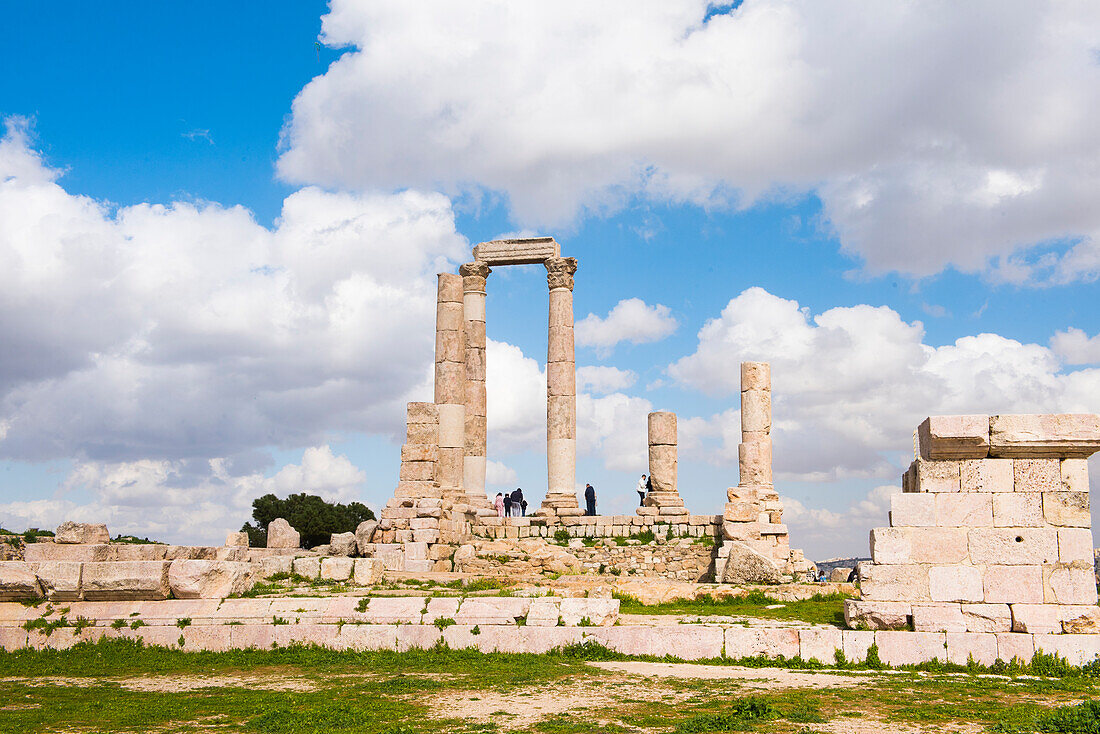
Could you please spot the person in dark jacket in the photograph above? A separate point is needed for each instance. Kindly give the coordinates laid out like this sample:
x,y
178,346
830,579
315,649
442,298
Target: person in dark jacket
x,y
590,499
507,505
518,503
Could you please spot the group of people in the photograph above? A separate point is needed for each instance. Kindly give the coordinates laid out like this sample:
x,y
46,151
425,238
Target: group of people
x,y
512,504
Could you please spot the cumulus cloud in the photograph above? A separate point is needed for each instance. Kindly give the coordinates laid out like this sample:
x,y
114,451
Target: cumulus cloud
x,y
604,379
189,331
830,533
850,384
500,475
947,134
630,320
181,500
1076,347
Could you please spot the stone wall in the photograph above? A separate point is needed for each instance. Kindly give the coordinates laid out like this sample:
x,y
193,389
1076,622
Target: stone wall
x,y
683,560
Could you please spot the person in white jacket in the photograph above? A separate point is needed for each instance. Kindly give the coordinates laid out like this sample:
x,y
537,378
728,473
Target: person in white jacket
x,y
643,486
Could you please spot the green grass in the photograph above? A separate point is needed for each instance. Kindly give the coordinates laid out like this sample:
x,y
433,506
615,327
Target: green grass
x,y
819,609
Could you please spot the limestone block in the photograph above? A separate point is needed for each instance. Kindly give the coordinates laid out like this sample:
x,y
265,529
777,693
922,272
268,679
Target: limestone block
x,y
956,584
18,581
449,288
35,552
60,580
756,376
395,610
450,383
1067,509
475,330
452,422
420,452
819,644
137,552
1013,584
745,565
966,509
1036,618
755,462
561,416
126,580
449,468
688,641
364,535
938,545
561,313
492,610
443,608
965,646
81,532
309,567
740,512
954,437
1069,583
275,564
756,411
559,345
422,434
748,642
233,540
1075,544
1018,510
417,471
543,613
423,536
337,569
986,475
1081,620
894,583
1037,475
663,467
1076,649
1075,475
1067,436
839,575
1012,646
857,643
450,346
189,579
599,612
662,428
912,510
910,648
1013,546
938,618
206,552
987,617
421,413
938,476
281,535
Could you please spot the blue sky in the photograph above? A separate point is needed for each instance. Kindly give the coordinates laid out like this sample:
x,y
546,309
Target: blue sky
x,y
858,209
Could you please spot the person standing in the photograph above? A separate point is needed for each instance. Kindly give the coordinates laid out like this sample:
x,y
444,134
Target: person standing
x,y
507,501
517,503
498,504
589,499
642,484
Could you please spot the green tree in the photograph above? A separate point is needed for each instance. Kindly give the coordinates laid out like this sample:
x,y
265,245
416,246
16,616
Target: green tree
x,y
313,518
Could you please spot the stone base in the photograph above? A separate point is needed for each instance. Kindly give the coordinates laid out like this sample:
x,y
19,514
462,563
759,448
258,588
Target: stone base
x,y
977,617
663,499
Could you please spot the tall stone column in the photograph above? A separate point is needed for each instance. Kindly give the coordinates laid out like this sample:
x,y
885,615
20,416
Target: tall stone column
x,y
450,380
473,299
755,452
663,466
561,391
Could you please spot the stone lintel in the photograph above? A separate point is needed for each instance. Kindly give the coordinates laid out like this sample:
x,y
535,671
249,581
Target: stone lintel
x,y
525,251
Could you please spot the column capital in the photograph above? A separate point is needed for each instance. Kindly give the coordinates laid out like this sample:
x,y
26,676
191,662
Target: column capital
x,y
477,268
559,272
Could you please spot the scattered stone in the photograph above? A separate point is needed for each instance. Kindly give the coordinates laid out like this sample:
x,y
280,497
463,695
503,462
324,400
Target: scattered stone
x,y
237,539
18,581
746,566
364,535
70,532
343,544
194,579
281,535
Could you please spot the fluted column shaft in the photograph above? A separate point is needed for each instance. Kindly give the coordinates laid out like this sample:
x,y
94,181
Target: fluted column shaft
x,y
561,387
450,379
473,298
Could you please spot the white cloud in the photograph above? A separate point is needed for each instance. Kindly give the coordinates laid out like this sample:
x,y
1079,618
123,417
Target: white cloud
x,y
189,331
829,533
181,500
500,475
630,320
604,379
851,384
1076,347
932,135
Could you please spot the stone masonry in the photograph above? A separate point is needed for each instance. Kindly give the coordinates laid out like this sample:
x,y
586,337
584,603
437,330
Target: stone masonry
x,y
664,499
991,532
757,547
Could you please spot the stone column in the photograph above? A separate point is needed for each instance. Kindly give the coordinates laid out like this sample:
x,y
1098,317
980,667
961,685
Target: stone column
x,y
561,391
755,452
662,451
450,380
473,299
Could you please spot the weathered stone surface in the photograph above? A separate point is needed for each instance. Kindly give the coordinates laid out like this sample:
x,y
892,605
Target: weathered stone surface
x,y
1018,510
1012,646
18,581
954,437
207,579
756,411
1076,649
891,546
126,580
839,575
1013,584
965,646
1014,546
938,618
368,571
1075,475
1075,544
81,532
740,511
894,583
820,644
1069,583
598,612
1067,436
137,552
754,461
281,535
309,567
237,540
662,428
1067,509
663,467
421,413
937,476
910,648
337,569
1086,622
756,376
525,251
490,610
272,565
687,641
343,544
964,509
203,552
986,475
35,552
746,566
364,535
912,510
1037,475
748,642
1036,618
987,617
60,580
955,584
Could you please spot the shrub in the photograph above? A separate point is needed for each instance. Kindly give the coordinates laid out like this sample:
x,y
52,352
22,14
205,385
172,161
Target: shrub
x,y
314,518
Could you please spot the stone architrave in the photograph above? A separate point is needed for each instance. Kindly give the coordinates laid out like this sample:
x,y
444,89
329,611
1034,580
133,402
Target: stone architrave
x,y
473,300
561,389
281,535
526,251
450,380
